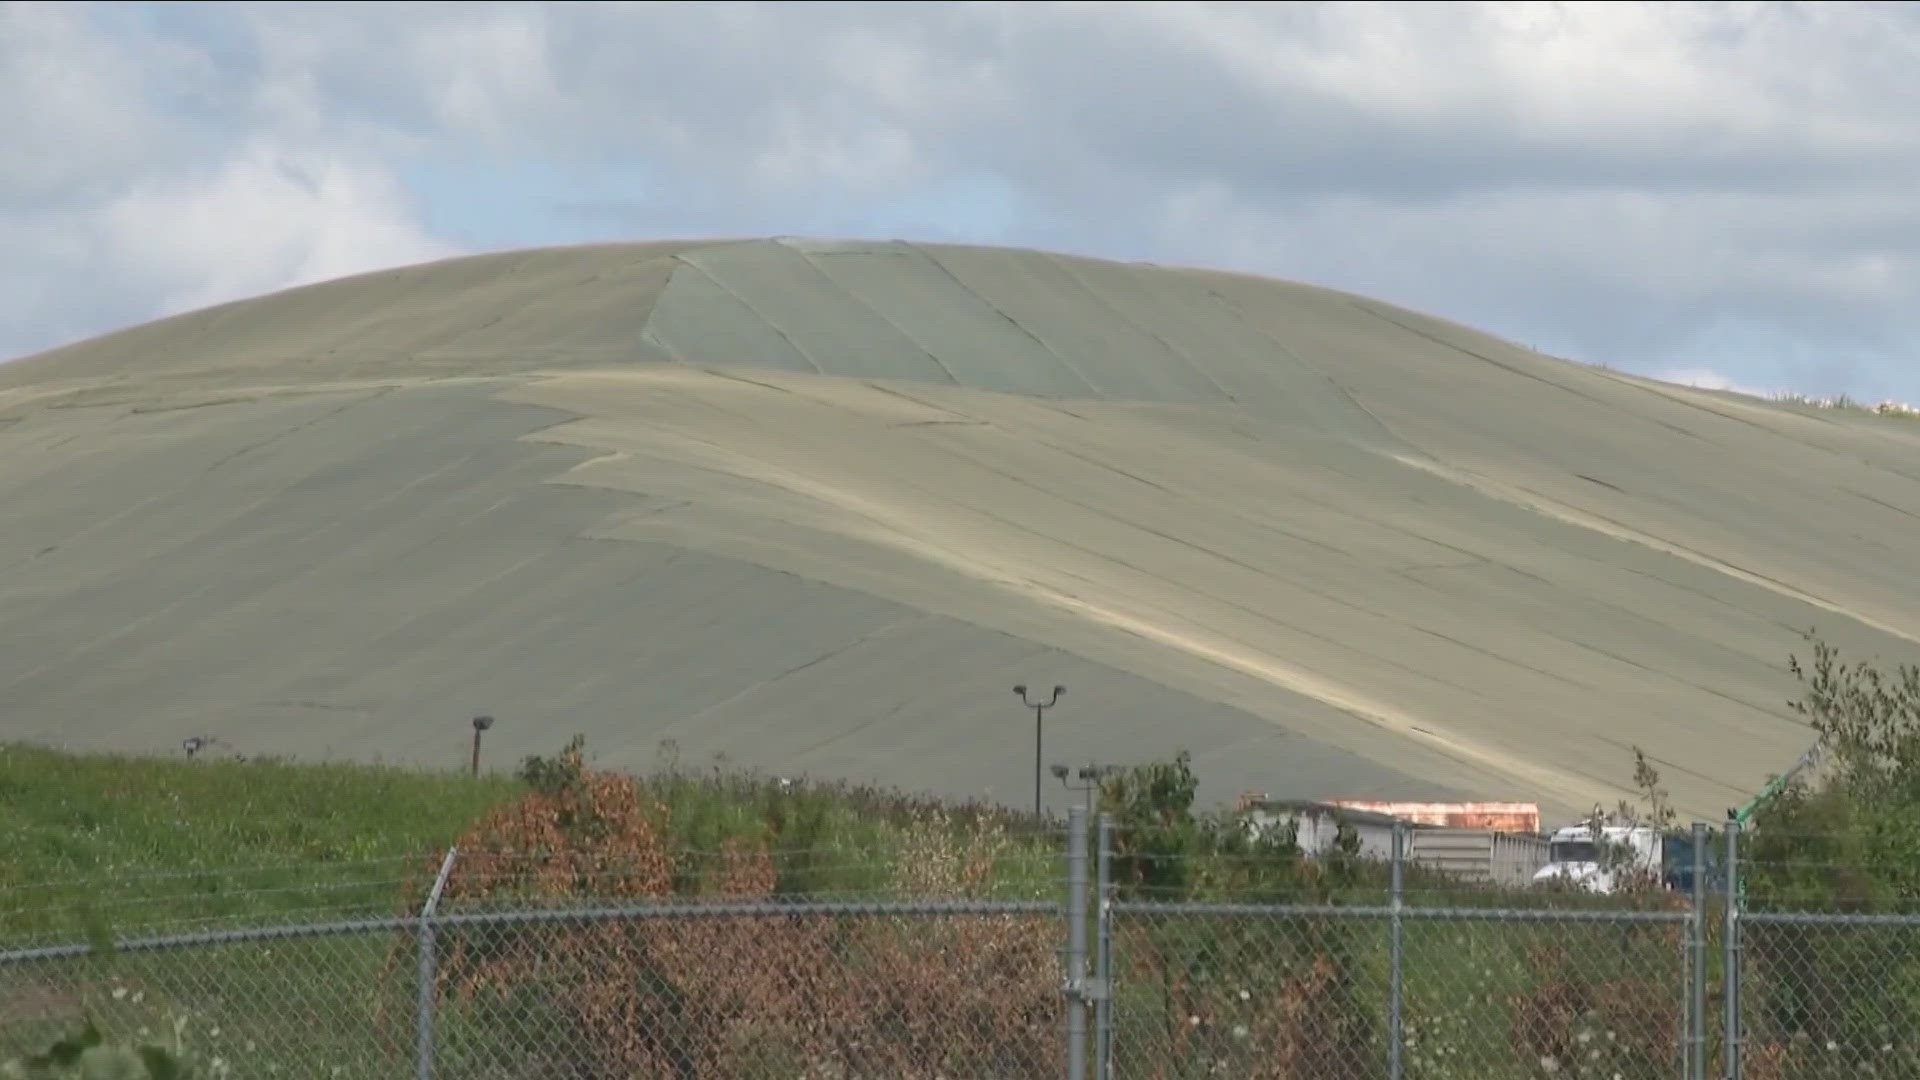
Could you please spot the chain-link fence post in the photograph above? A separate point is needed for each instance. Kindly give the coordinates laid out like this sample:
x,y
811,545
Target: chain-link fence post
x,y
1697,959
1103,954
1076,943
1730,980
423,1030
1396,995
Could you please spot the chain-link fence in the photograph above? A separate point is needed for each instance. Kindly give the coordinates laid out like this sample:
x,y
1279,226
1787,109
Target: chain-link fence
x,y
1383,971
1333,993
705,989
313,1000
1829,995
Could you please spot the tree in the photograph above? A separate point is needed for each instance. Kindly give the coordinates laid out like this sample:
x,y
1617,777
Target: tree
x,y
1847,833
1843,838
1868,721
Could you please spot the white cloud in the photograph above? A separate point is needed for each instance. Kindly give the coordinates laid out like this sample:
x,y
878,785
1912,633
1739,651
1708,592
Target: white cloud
x,y
1708,379
157,175
1725,186
75,110
267,218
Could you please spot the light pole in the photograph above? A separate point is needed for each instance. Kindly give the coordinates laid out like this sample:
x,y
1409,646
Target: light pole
x,y
480,724
1039,712
1089,777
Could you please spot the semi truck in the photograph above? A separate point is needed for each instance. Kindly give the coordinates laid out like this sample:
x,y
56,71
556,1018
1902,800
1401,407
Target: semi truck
x,y
1574,853
1602,860
1621,854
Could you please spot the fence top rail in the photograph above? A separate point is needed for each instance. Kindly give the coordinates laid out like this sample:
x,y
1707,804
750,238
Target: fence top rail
x,y
1829,918
526,916
1427,914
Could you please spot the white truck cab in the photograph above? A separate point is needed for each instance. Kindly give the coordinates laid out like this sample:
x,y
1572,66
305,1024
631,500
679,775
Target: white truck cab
x,y
1574,855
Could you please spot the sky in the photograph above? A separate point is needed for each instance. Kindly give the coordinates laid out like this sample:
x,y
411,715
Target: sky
x,y
1727,194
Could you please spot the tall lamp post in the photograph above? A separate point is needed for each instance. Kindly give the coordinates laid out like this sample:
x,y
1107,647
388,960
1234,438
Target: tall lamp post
x,y
1039,713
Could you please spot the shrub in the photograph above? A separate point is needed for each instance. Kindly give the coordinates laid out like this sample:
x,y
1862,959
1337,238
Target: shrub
x,y
764,993
1834,1001
1234,996
88,1056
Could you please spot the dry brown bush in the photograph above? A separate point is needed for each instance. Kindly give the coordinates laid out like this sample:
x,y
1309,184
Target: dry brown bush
x,y
1601,1023
729,994
1244,998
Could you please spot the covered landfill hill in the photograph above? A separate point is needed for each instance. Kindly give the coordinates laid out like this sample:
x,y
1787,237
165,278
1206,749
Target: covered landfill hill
x,y
817,507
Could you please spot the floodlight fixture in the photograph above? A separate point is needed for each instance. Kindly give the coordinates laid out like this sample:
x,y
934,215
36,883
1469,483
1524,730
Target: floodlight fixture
x,y
480,724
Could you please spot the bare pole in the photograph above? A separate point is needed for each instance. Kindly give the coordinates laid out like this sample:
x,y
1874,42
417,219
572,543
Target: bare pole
x,y
1103,950
1697,948
1099,989
1396,1047
423,1020
1733,1037
1077,943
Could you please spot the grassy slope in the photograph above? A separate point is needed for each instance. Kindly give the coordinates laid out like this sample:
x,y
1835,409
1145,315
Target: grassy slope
x,y
152,842
162,846
141,846
158,846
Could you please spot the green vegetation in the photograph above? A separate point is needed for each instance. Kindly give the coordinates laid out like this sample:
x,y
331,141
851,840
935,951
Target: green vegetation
x,y
102,848
70,814
167,845
368,840
1249,995
116,847
154,845
1844,838
87,1055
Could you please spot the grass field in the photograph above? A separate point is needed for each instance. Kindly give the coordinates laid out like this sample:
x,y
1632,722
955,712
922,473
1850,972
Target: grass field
x,y
137,847
148,846
155,845
100,846
130,847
